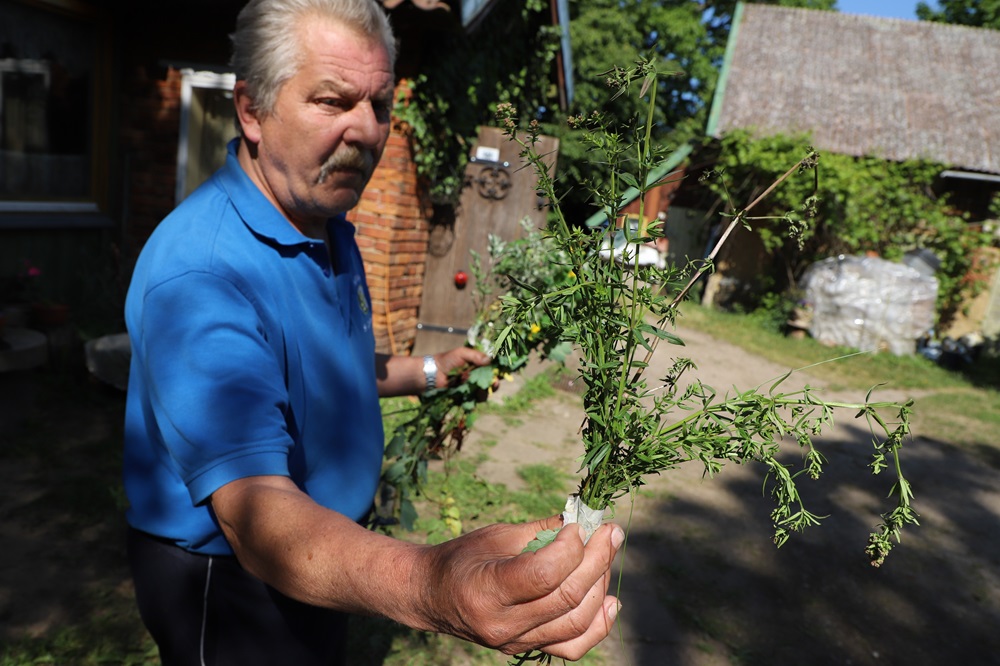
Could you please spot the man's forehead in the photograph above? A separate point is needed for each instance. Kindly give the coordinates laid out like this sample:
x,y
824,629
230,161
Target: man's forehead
x,y
346,58
377,84
323,32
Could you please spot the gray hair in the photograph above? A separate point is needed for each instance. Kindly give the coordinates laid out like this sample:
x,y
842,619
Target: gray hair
x,y
265,44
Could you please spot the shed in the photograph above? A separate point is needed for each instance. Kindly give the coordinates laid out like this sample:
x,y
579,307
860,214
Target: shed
x,y
867,86
862,85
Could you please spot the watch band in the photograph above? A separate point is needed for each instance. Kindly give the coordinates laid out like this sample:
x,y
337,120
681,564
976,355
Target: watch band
x,y
430,372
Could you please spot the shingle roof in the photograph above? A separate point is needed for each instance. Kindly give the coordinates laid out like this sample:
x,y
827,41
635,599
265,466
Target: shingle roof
x,y
863,85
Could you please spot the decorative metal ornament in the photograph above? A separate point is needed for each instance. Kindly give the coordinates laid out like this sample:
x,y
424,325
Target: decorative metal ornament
x,y
493,181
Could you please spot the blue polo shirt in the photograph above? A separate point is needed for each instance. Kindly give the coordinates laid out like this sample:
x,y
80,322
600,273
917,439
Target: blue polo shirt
x,y
252,354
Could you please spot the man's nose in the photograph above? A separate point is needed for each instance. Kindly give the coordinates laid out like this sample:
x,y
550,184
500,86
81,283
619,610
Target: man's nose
x,y
366,128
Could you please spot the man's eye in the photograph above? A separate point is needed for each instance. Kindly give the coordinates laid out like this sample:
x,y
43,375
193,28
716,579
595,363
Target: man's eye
x,y
382,108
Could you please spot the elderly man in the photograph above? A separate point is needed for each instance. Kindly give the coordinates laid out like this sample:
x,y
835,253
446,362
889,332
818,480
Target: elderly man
x,y
253,435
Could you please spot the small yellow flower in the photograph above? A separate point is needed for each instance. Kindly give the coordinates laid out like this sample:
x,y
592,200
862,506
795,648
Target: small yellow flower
x,y
535,328
571,275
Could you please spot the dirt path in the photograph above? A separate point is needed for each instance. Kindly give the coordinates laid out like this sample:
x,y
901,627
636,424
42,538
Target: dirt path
x,y
703,585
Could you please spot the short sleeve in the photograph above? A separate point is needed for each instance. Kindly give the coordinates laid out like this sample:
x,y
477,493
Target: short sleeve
x,y
215,383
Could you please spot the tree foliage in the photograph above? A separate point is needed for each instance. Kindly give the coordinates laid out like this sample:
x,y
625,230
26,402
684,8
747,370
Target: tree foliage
x,y
976,13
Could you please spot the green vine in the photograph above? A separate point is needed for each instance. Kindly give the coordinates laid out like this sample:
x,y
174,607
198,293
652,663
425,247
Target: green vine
x,y
511,57
866,205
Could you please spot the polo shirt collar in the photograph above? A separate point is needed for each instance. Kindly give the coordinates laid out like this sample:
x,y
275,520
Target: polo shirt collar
x,y
257,212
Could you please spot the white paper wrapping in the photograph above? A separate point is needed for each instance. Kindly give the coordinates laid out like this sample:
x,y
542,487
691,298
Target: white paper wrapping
x,y
578,512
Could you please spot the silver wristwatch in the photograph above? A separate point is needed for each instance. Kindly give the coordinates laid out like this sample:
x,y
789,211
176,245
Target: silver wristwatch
x,y
430,372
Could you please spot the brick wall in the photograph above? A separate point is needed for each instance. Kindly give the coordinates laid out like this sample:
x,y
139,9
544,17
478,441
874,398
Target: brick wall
x,y
393,228
150,112
392,219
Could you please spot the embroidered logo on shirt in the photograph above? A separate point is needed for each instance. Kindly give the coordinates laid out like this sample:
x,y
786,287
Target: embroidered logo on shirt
x,y
362,301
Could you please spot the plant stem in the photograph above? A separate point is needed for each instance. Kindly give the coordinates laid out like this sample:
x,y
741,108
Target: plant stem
x,y
739,217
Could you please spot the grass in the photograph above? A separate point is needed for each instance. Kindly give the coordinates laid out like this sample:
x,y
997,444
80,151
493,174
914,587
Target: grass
x,y
959,407
850,371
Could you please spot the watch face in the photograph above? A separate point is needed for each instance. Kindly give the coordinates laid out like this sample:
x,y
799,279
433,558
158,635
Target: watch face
x,y
430,372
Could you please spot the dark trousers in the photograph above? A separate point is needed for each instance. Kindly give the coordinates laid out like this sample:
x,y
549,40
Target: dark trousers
x,y
207,611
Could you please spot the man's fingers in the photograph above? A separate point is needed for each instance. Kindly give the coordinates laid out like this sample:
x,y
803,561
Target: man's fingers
x,y
562,576
535,576
603,622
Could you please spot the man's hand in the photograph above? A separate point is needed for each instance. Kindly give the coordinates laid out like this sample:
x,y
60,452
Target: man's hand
x,y
481,587
404,375
454,365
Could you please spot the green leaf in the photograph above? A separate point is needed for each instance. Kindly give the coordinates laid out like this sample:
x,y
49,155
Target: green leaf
x,y
542,539
481,377
396,445
407,515
646,82
560,352
395,472
669,337
504,334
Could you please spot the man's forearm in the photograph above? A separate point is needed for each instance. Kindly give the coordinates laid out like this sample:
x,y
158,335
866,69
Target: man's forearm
x,y
316,555
479,586
399,375
404,375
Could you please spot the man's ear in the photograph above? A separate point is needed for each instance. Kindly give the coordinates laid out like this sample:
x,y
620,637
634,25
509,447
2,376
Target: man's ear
x,y
246,112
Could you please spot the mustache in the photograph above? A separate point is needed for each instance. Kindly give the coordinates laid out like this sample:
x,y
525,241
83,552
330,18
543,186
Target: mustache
x,y
348,157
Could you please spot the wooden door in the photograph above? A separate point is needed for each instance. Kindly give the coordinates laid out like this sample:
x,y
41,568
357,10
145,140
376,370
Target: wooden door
x,y
500,190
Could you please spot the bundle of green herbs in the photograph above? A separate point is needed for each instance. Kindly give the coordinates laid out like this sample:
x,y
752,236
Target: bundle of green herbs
x,y
613,312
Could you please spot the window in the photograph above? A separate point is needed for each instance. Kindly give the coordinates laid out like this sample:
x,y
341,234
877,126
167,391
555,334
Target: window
x,y
52,130
207,124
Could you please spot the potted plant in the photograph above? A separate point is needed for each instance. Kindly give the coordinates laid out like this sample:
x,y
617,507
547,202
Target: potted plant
x,y
33,305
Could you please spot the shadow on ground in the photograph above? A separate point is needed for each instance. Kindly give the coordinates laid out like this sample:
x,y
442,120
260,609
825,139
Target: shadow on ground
x,y
703,584
63,574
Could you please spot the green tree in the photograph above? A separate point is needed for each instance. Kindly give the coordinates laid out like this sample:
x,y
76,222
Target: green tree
x,y
692,34
977,13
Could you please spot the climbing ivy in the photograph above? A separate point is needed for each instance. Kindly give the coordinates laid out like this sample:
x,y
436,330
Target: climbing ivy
x,y
864,204
509,58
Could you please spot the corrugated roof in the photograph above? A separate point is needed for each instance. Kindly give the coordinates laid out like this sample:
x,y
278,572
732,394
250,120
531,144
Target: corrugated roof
x,y
863,85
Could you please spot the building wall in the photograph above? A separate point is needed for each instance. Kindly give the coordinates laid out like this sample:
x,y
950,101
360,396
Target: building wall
x,y
392,221
150,113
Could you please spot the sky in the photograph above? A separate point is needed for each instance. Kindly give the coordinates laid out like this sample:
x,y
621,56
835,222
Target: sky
x,y
905,9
